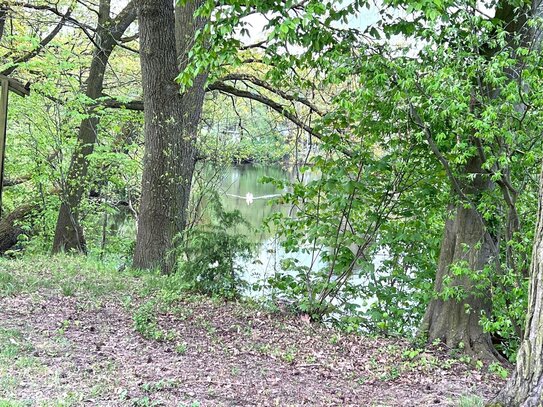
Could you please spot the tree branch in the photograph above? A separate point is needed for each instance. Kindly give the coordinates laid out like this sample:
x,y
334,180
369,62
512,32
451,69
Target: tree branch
x,y
269,87
43,43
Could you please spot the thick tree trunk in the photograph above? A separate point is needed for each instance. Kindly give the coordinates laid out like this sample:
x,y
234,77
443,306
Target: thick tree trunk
x,y
171,121
68,233
525,387
456,321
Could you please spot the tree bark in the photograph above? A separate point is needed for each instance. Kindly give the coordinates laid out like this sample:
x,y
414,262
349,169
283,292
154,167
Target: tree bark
x,y
171,121
10,226
525,387
69,233
454,321
457,322
3,17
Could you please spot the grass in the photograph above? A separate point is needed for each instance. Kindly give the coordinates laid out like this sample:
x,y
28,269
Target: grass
x,y
12,403
67,274
84,277
470,401
181,348
12,343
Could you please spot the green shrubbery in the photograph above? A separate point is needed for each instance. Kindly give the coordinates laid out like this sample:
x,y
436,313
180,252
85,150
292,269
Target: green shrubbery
x,y
212,251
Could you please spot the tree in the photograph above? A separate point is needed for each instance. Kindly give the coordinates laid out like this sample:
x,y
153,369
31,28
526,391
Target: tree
x,y
69,233
525,387
171,120
476,249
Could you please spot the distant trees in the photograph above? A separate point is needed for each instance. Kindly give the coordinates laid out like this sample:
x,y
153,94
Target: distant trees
x,y
69,234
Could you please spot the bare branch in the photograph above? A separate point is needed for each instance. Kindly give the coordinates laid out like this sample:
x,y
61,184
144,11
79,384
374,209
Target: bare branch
x,y
263,84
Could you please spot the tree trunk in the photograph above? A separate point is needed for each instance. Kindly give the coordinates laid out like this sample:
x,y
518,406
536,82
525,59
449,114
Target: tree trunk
x,y
69,233
525,387
3,17
171,121
454,321
10,226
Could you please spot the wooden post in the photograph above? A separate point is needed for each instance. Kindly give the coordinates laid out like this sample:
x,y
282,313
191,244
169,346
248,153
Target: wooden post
x,y
4,94
7,85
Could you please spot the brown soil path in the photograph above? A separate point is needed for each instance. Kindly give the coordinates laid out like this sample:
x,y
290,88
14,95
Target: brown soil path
x,y
60,350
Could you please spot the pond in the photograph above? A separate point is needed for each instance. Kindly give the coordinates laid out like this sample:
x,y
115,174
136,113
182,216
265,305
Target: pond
x,y
241,189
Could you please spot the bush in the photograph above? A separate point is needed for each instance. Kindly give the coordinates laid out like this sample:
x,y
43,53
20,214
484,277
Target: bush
x,y
212,253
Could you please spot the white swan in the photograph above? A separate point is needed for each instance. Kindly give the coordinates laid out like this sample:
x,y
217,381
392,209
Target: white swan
x,y
249,198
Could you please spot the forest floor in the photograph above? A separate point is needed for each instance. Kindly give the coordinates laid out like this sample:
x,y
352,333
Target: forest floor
x,y
73,334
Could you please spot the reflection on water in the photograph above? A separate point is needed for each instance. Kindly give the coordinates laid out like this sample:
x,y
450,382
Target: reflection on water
x,y
241,189
242,182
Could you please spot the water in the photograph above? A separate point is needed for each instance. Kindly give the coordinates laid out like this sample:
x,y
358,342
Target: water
x,y
241,189
242,182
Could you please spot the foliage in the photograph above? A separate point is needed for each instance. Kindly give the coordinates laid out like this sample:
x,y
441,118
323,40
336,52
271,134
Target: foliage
x,y
212,252
432,94
392,119
470,401
146,324
243,132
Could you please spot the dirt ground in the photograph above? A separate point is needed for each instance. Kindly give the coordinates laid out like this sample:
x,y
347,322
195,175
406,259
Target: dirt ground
x,y
59,350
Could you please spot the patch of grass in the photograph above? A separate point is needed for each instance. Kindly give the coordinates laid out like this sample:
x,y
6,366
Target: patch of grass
x,y
69,399
182,313
12,344
13,403
92,279
27,362
335,339
153,387
289,355
68,289
146,323
68,274
8,383
145,402
263,348
392,373
8,286
470,401
64,325
181,348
